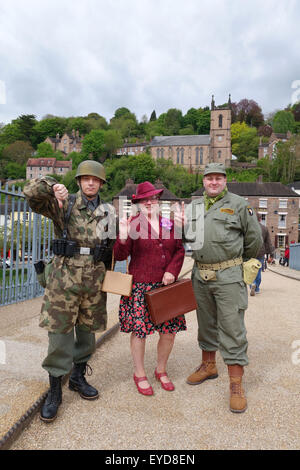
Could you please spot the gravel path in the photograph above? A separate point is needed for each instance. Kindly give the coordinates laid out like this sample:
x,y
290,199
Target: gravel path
x,y
191,417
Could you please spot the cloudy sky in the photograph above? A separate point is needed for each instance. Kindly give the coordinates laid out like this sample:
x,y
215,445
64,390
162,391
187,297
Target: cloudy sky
x,y
73,57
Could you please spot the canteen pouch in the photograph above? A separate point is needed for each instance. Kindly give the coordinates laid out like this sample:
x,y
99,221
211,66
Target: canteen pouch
x,y
250,270
208,274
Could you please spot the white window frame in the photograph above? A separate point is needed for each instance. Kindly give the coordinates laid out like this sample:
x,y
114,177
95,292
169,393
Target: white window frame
x,y
262,205
283,203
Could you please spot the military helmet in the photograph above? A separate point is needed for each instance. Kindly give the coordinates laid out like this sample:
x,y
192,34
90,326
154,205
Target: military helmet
x,y
91,168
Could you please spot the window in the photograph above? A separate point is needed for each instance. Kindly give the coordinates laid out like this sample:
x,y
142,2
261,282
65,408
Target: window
x,y
197,156
127,207
177,153
201,156
157,153
220,138
283,203
263,203
282,221
219,153
281,241
182,156
263,218
220,120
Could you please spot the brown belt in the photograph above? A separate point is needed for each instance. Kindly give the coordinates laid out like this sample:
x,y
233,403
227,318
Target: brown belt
x,y
222,265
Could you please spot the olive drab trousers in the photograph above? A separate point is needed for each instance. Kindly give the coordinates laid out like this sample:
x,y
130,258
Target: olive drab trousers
x,y
220,312
67,348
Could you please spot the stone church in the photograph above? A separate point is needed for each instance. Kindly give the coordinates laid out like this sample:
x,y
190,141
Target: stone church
x,y
195,151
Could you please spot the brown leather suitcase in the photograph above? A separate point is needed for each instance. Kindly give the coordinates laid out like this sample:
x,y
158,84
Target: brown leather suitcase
x,y
168,302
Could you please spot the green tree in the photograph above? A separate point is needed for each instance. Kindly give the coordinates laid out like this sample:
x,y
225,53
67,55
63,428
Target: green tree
x,y
173,121
283,121
18,152
49,127
26,124
153,116
94,145
203,121
44,150
244,141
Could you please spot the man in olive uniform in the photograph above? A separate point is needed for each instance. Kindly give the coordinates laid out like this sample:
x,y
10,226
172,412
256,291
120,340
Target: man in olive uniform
x,y
231,235
73,302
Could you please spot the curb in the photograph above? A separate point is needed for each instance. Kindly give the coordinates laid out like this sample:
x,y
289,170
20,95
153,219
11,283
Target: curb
x,y
7,440
284,275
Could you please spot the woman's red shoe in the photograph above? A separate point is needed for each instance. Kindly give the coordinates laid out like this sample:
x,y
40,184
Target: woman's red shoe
x,y
168,386
144,391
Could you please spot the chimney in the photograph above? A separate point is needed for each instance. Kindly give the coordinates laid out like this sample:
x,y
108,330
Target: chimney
x,y
73,132
77,134
57,136
129,181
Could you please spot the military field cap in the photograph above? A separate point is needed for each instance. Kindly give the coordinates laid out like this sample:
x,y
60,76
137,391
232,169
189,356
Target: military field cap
x,y
214,168
91,168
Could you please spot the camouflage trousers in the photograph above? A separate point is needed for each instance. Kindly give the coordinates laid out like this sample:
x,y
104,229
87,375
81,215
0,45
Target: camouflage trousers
x,y
73,296
66,349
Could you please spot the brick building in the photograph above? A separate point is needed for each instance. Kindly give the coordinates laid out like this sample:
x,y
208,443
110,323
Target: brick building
x,y
269,148
122,200
132,149
195,151
276,203
67,143
37,167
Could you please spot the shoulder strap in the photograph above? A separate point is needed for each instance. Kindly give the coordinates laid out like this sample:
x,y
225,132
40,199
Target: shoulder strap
x,y
72,199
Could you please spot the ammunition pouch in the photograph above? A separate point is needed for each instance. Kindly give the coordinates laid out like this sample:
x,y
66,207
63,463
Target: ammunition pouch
x,y
42,271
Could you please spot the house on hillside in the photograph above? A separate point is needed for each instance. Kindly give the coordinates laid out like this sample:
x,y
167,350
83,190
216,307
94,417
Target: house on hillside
x,y
132,149
277,204
37,167
195,151
67,143
269,148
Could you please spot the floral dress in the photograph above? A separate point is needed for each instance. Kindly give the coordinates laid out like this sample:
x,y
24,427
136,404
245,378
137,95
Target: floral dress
x,y
134,315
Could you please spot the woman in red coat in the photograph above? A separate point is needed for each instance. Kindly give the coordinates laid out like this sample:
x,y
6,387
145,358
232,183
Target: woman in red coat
x,y
156,258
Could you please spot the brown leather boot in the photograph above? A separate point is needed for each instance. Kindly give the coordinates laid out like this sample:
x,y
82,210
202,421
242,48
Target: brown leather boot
x,y
207,369
238,402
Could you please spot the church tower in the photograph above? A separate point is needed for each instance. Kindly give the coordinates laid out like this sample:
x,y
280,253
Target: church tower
x,y
220,133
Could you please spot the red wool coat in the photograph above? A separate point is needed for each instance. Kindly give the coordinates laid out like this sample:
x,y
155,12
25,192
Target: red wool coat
x,y
151,257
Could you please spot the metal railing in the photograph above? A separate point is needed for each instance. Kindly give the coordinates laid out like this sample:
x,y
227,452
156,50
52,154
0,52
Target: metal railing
x,y
25,237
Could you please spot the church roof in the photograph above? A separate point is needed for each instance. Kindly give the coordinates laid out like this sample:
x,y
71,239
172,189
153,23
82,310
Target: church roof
x,y
168,140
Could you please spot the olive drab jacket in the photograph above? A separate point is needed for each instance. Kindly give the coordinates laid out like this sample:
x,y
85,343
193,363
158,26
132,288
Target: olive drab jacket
x,y
69,275
231,230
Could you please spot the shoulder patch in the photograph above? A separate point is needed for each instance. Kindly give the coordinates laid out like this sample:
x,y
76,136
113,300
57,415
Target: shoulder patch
x,y
227,210
250,210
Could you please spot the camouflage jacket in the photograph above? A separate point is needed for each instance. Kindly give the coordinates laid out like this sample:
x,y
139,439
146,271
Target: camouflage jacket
x,y
85,227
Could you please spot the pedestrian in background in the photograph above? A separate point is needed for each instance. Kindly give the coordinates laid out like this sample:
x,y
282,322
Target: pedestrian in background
x,y
286,256
266,249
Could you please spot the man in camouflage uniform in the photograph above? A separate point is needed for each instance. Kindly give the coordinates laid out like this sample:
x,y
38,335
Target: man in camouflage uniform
x,y
231,235
73,301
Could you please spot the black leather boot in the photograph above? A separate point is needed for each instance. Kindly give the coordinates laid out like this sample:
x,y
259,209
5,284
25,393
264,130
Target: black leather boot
x,y
53,400
78,383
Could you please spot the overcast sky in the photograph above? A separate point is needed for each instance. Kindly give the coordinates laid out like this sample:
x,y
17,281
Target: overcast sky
x,y
73,57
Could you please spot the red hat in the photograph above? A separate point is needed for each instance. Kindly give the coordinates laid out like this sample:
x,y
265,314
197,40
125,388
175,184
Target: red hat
x,y
144,190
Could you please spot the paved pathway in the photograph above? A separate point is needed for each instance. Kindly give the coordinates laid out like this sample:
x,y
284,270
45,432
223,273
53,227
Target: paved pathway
x,y
191,417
